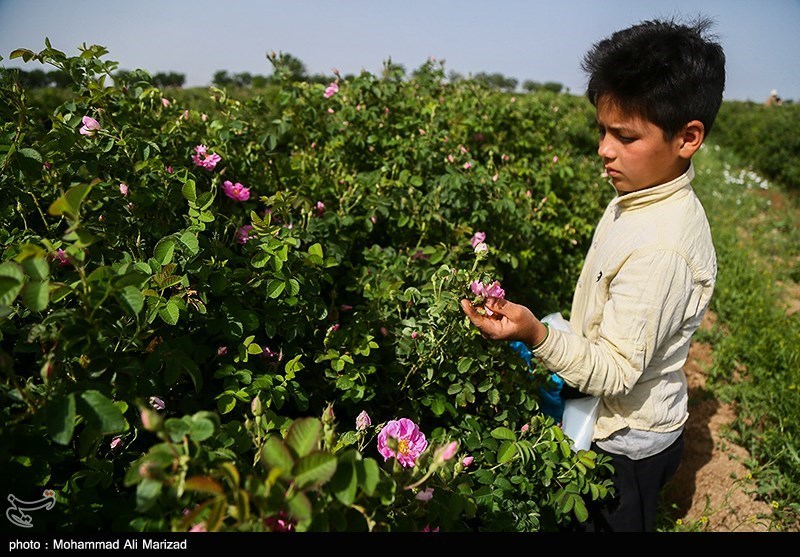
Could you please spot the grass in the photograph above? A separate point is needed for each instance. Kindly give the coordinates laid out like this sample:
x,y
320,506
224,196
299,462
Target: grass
x,y
756,339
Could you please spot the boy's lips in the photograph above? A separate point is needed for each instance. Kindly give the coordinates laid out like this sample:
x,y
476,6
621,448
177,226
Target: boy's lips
x,y
612,171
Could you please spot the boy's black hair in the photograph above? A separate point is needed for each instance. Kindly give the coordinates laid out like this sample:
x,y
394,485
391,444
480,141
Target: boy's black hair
x,y
663,71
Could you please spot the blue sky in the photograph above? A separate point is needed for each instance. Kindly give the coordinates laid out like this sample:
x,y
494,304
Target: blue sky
x,y
535,39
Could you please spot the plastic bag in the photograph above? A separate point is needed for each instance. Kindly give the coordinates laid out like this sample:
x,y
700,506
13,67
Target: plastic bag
x,y
580,414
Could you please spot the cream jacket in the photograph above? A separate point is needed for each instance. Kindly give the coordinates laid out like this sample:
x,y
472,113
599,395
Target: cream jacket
x,y
645,285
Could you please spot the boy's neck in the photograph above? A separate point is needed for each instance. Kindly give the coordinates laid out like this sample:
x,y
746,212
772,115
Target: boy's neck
x,y
678,175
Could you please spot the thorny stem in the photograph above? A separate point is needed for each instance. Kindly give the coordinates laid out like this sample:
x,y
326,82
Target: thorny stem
x,y
427,356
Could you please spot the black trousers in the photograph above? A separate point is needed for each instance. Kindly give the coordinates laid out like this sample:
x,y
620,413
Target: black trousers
x,y
638,484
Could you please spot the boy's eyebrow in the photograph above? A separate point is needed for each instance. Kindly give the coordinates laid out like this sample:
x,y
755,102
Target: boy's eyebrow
x,y
616,129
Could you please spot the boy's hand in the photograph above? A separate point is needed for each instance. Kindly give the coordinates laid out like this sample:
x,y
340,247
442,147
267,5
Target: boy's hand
x,y
509,321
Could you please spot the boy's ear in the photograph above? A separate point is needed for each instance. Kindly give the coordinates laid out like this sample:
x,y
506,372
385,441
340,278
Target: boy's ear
x,y
691,138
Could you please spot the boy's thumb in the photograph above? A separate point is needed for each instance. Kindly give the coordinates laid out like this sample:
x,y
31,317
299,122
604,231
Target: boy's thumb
x,y
466,305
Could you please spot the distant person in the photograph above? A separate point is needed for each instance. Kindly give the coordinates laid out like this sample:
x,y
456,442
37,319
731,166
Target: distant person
x,y
773,99
651,269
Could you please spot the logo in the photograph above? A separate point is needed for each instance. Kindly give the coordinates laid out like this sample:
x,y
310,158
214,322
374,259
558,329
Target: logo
x,y
599,276
16,512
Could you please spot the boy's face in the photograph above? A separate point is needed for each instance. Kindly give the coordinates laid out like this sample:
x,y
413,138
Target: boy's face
x,y
634,151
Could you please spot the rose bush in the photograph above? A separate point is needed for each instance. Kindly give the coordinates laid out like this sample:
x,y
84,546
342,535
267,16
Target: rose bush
x,y
188,352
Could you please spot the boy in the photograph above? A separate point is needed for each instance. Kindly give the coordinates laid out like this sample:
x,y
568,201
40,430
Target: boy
x,y
650,271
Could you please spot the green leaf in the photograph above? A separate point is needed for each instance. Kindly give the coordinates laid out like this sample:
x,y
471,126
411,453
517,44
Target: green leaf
x,y
132,299
100,412
36,294
581,513
23,53
147,493
455,388
30,153
177,428
165,248
316,249
12,280
344,483
80,238
9,289
464,364
169,312
587,459
260,260
293,366
276,454
36,267
189,240
506,452
315,254
202,428
189,191
300,508
368,473
275,287
226,402
314,469
61,419
567,503
503,433
70,202
203,484
304,434
438,406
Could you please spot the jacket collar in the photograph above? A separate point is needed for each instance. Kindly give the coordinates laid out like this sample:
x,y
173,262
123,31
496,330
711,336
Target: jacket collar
x,y
648,196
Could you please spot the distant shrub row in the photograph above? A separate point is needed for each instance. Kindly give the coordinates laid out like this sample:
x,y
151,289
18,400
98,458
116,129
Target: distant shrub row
x,y
766,136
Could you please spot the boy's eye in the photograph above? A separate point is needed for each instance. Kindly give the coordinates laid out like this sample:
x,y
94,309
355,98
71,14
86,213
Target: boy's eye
x,y
626,139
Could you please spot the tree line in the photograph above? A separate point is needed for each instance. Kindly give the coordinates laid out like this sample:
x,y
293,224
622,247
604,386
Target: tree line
x,y
294,67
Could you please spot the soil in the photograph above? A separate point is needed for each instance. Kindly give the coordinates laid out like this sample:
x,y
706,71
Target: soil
x,y
712,490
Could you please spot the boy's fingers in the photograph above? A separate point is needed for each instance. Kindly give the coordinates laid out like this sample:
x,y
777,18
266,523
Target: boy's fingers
x,y
497,305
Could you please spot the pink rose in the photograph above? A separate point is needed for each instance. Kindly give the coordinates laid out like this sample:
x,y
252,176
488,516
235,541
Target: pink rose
x,y
477,238
331,90
445,453
243,234
61,256
494,290
157,403
90,126
202,159
363,421
280,522
410,441
236,191
425,495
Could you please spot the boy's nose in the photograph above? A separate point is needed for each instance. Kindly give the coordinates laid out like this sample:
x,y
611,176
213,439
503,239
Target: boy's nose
x,y
604,149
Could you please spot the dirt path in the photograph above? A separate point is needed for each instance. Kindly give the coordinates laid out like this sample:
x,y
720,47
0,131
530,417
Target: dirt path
x,y
712,490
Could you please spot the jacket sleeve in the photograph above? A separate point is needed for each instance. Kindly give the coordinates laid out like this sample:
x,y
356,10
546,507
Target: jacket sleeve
x,y
646,306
